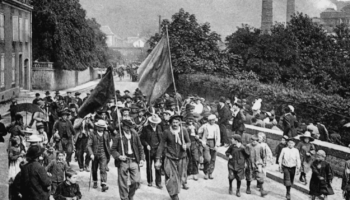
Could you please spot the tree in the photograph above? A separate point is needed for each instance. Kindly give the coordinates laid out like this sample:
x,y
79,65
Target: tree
x,y
63,35
194,47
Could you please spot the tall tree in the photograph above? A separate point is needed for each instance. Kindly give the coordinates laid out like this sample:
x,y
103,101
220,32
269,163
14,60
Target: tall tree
x,y
63,35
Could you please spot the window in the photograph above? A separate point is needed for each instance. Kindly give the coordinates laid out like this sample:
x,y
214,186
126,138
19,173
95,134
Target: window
x,y
20,29
15,28
26,27
2,70
13,69
2,26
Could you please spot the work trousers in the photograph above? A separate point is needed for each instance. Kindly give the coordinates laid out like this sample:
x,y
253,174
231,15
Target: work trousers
x,y
150,159
100,161
175,174
128,167
81,149
209,155
288,175
223,134
67,147
193,159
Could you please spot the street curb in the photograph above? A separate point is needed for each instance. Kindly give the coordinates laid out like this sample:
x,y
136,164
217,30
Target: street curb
x,y
273,177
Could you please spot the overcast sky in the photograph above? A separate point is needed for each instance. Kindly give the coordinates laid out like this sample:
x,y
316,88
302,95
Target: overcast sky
x,y
132,17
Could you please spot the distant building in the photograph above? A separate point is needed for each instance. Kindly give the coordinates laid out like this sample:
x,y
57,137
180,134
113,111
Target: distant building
x,y
15,47
112,39
331,17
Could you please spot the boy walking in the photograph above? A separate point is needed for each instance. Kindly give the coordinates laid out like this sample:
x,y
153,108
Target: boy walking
x,y
289,163
237,155
56,170
68,189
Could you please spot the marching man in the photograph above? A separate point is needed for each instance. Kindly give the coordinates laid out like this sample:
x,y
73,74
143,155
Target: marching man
x,y
177,141
99,149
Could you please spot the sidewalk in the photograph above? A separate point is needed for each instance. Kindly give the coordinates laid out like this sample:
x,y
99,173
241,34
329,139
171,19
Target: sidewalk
x,y
274,174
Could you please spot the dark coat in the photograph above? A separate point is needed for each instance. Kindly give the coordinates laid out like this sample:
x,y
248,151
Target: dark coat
x,y
238,122
3,132
79,101
65,128
92,145
224,115
319,187
289,125
34,182
324,136
136,144
146,137
239,157
67,190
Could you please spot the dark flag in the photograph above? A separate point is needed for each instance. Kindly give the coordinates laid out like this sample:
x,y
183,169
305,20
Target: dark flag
x,y
155,72
100,95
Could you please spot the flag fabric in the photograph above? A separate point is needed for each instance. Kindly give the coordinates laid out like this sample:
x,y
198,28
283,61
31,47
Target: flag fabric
x,y
100,95
155,72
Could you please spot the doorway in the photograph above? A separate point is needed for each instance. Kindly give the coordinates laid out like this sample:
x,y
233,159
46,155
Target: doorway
x,y
26,67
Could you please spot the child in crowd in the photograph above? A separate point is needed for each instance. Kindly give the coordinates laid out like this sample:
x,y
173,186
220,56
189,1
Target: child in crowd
x,y
266,148
322,176
56,170
345,186
280,146
42,134
69,189
237,154
307,151
50,154
16,154
289,164
193,154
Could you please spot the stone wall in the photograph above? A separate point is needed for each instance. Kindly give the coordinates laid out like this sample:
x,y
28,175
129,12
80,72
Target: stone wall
x,y
336,154
48,78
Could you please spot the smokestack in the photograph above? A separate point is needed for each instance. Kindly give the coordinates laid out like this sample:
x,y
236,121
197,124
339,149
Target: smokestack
x,y
290,9
267,16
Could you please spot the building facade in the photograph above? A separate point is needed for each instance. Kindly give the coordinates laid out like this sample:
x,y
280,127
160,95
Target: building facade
x,y
15,47
331,17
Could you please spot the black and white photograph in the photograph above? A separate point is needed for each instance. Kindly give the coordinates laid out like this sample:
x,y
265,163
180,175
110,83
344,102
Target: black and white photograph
x,y
174,99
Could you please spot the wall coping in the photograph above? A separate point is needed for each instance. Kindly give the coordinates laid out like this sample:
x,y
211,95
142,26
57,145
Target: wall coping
x,y
316,142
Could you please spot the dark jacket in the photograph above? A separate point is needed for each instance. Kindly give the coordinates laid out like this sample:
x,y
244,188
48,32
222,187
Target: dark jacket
x,y
57,170
146,136
239,157
92,144
224,115
67,190
136,144
65,128
3,132
319,187
79,101
238,122
34,182
289,125
173,150
324,136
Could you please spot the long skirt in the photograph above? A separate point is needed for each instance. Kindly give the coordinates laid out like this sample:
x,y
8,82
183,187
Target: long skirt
x,y
14,168
175,174
193,159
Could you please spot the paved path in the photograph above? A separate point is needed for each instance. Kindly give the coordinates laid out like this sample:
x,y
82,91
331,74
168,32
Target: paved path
x,y
216,189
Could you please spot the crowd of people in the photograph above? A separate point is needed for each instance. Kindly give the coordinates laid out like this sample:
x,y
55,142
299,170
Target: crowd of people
x,y
176,137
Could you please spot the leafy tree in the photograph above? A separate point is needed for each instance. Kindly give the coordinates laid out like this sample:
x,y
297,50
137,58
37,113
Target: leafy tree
x,y
194,47
63,35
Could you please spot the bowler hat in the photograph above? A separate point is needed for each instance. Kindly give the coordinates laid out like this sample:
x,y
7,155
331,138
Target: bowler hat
x,y
77,93
237,137
57,92
179,117
34,152
37,95
47,93
126,91
222,100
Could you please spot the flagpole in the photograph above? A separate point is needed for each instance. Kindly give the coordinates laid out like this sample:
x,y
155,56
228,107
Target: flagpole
x,y
172,74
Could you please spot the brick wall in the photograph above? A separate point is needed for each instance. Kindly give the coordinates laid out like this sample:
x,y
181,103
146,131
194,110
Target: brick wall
x,y
336,154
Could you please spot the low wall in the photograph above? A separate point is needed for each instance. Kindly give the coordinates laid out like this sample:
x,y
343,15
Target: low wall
x,y
336,154
47,78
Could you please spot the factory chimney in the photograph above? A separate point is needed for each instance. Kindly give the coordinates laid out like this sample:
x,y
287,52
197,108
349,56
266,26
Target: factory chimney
x,y
267,16
290,9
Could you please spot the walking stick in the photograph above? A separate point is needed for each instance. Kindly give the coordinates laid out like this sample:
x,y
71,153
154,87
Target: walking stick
x,y
90,176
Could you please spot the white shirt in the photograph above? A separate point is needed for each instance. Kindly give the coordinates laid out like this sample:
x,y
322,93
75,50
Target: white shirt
x,y
290,157
211,131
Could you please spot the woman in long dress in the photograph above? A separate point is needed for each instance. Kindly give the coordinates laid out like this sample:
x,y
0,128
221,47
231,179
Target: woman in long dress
x,y
16,154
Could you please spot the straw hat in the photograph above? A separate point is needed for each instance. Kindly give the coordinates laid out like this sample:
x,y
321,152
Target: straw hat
x,y
101,123
212,117
307,134
120,104
34,138
154,119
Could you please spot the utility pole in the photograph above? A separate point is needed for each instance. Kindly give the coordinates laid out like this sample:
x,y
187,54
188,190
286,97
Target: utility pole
x,y
160,24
